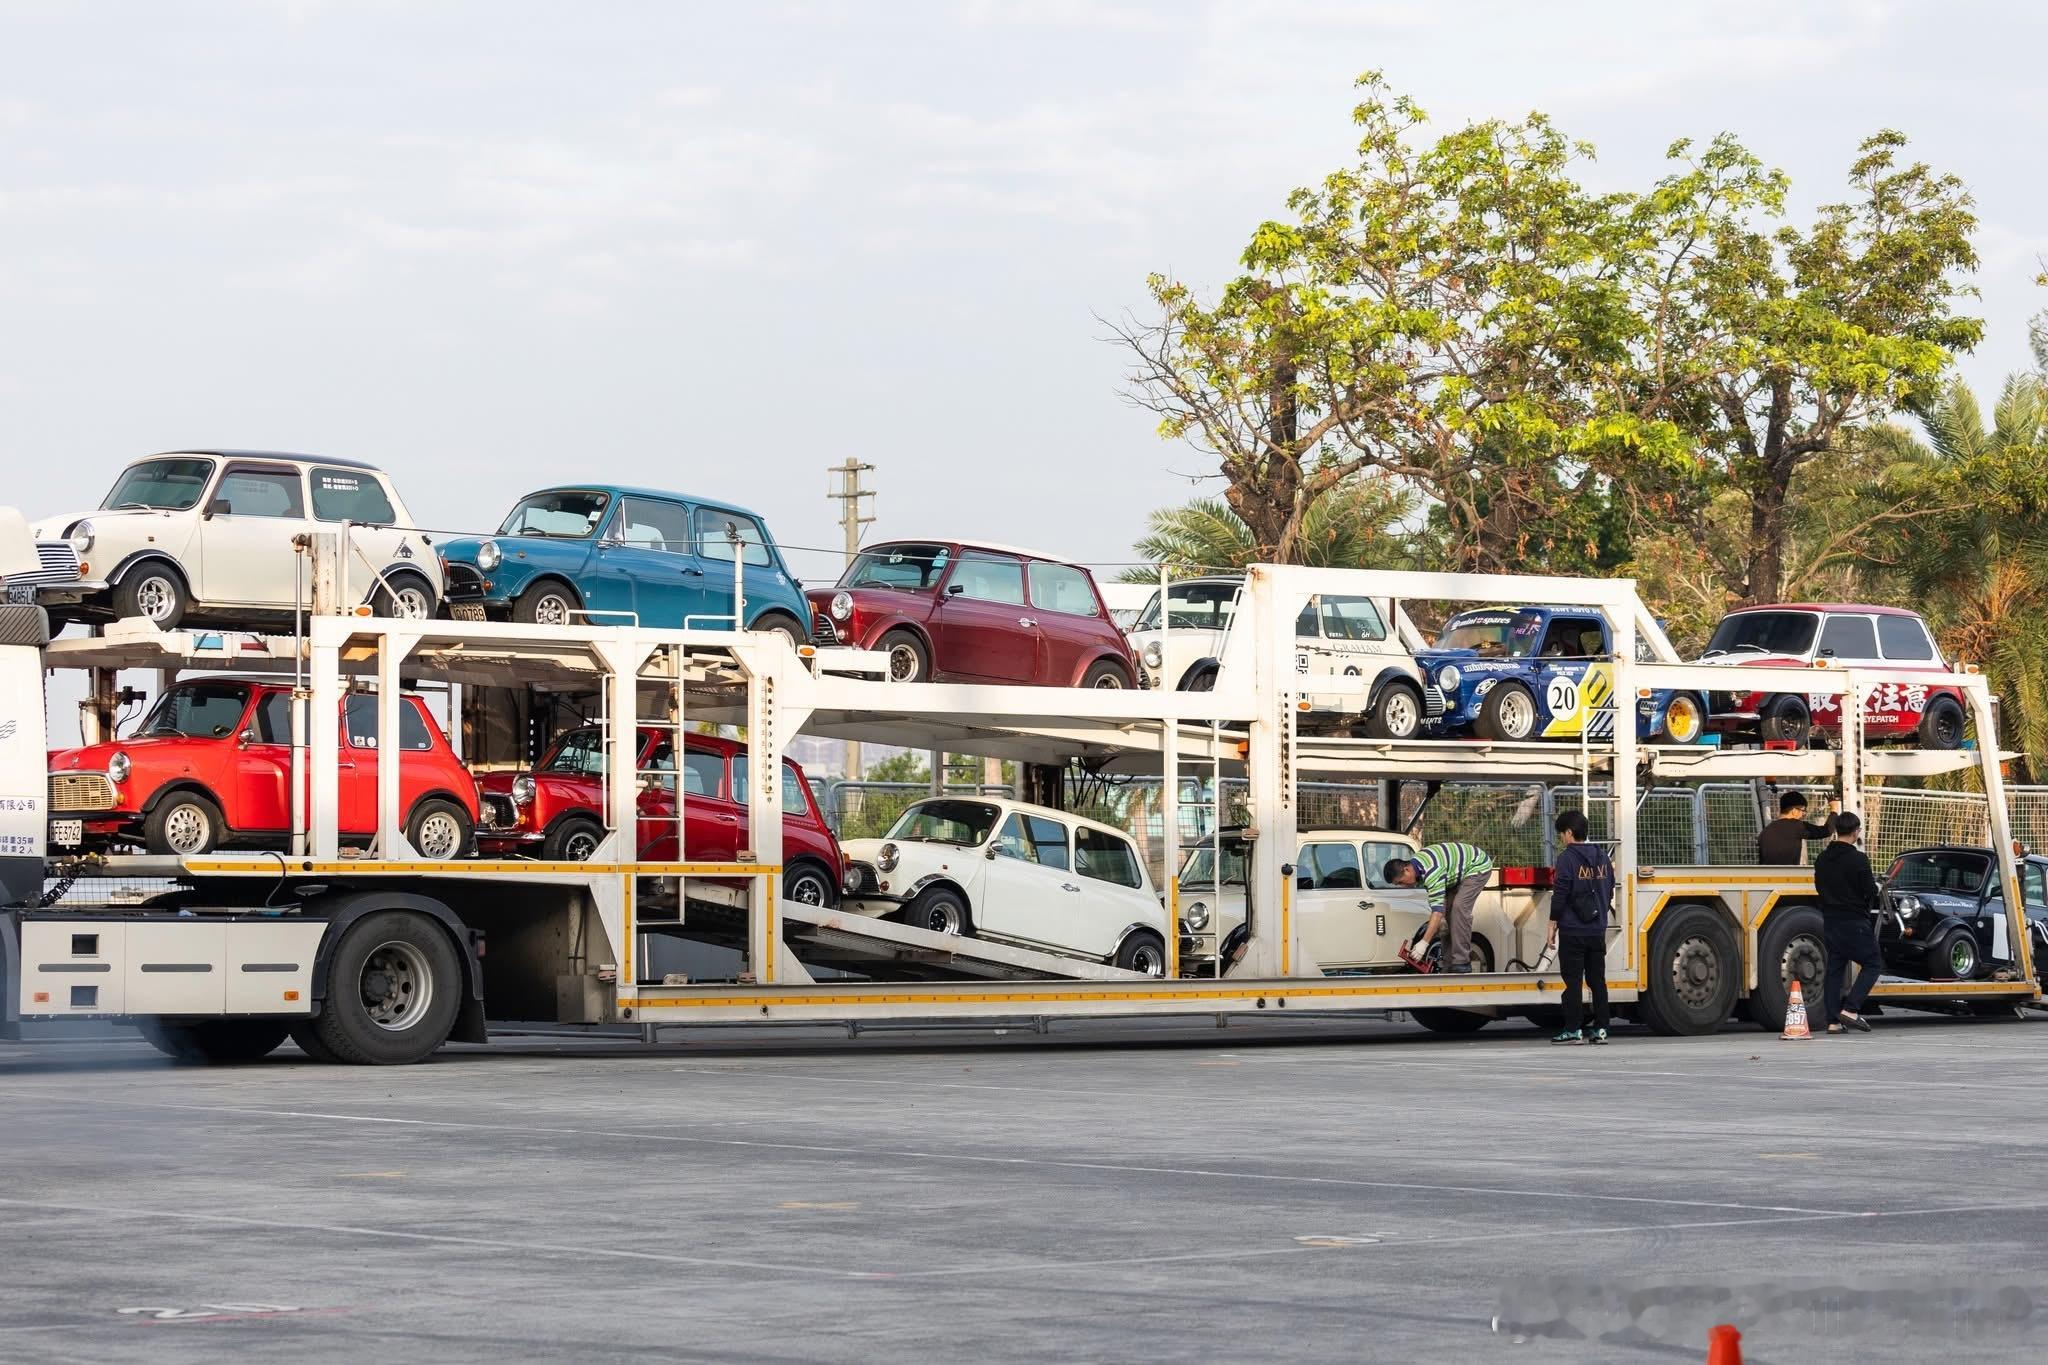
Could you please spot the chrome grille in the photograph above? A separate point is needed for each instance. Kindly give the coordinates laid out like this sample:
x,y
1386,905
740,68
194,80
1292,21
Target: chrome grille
x,y
56,562
822,630
1432,699
499,812
81,791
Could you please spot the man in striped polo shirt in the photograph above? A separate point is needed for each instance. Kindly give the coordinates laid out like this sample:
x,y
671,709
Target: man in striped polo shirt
x,y
1451,876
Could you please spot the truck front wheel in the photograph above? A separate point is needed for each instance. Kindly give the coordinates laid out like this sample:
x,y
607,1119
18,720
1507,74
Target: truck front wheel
x,y
213,1042
394,988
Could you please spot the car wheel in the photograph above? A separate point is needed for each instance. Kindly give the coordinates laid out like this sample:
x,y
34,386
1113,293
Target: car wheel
x,y
1941,725
943,911
439,830
807,884
1201,680
573,840
1108,676
1144,952
183,824
153,591
406,596
1786,718
545,604
1441,1020
909,660
394,987
214,1042
1790,949
1508,713
1397,714
783,626
1684,719
1956,955
1694,972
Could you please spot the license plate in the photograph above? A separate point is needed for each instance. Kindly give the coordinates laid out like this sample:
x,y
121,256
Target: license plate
x,y
466,611
21,594
67,833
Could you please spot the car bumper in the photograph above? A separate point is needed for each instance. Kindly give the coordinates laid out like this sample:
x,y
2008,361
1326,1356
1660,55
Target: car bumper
x,y
26,590
874,905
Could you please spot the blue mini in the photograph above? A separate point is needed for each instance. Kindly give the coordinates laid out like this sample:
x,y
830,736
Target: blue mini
x,y
603,554
1517,673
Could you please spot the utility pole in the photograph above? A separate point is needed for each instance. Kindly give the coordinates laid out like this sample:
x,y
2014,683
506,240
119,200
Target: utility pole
x,y
848,496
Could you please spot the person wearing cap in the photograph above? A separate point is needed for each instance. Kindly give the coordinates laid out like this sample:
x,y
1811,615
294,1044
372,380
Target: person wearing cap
x,y
1782,843
1847,893
1451,877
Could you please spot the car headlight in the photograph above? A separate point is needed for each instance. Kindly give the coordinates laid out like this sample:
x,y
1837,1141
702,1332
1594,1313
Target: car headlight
x,y
1447,677
489,556
885,858
854,882
1153,656
1908,906
1196,916
522,790
842,606
80,538
118,767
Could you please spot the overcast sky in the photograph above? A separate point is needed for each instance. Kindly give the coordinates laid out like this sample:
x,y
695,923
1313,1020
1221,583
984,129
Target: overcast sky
x,y
717,247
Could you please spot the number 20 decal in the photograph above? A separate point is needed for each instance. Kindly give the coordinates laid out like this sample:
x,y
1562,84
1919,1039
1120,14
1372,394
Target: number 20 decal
x,y
1561,696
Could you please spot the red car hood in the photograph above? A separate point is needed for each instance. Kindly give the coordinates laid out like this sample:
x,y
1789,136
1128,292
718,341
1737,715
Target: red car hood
x,y
93,758
1758,661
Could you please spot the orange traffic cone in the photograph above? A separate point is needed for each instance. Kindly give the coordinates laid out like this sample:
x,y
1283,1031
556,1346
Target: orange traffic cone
x,y
1795,1016
1724,1343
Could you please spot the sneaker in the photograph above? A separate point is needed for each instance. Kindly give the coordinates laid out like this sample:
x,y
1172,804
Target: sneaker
x,y
1599,1035
1570,1035
1462,969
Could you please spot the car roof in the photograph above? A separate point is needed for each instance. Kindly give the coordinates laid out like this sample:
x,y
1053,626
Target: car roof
x,y
336,460
1551,607
1860,608
1978,849
958,543
623,490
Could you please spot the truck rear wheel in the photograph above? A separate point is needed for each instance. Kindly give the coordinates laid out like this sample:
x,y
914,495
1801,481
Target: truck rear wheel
x,y
307,1040
394,987
1791,949
214,1042
1694,966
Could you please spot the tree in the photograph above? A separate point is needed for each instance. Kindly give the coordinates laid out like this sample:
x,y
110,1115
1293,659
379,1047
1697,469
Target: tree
x,y
1361,524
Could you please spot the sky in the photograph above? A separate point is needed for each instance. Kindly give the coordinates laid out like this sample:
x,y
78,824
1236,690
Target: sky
x,y
717,247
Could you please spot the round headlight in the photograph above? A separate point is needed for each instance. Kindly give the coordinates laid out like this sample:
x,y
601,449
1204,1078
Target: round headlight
x,y
81,537
1196,916
489,556
1153,656
885,857
1447,677
118,767
852,884
522,790
842,606
1908,905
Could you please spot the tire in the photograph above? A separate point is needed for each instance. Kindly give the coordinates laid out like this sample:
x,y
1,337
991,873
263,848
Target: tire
x,y
1692,721
1786,718
394,988
777,624
1695,972
1439,1019
1201,680
943,911
214,1042
439,830
1508,713
546,603
1143,951
184,824
405,596
1107,675
809,884
155,591
1790,947
909,660
1397,714
1955,956
1941,724
573,840
307,1040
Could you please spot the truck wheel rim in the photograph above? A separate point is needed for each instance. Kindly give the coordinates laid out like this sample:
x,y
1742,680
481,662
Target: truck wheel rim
x,y
1398,712
807,889
1804,961
397,986
439,836
154,596
186,829
578,847
1696,972
1517,715
902,664
942,918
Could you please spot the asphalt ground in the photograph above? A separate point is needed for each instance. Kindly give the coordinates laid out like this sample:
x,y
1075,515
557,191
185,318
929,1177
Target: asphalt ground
x,y
1314,1190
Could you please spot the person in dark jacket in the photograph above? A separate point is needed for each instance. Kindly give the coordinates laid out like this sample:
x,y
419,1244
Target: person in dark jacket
x,y
1848,894
1581,895
1782,843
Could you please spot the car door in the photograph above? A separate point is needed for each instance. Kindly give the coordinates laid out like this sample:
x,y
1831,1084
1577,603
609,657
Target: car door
x,y
1337,636
247,523
982,627
644,564
790,794
1029,888
1406,907
1330,911
263,765
1850,640
356,775
716,529
1064,605
338,493
1574,688
710,825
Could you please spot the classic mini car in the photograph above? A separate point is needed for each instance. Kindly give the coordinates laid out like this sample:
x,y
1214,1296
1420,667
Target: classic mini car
x,y
210,767
1182,647
1800,634
34,572
943,610
609,555
1516,673
1348,918
207,536
1013,873
555,812
1944,913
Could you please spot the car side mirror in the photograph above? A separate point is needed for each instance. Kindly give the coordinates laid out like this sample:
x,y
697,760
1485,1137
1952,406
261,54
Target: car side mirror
x,y
247,738
1825,653
1305,883
991,854
218,507
955,589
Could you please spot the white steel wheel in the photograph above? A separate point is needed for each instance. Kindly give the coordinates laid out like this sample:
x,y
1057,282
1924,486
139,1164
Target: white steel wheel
x,y
1399,716
412,602
396,985
155,595
942,912
187,830
1144,954
438,835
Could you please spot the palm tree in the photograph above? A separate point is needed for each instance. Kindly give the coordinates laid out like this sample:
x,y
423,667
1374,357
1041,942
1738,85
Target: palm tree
x,y
1358,525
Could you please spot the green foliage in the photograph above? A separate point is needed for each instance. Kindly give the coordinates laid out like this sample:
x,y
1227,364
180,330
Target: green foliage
x,y
1361,524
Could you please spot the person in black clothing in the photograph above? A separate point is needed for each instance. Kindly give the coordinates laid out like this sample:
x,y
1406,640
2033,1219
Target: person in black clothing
x,y
1581,895
1848,894
1782,842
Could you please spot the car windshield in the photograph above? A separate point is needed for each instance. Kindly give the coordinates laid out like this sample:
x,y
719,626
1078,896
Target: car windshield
x,y
1198,869
1494,634
1764,632
559,513
943,821
579,751
1956,872
168,485
199,711
1192,606
913,568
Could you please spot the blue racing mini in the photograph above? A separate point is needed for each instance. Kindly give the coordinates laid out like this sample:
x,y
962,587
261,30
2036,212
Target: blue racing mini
x,y
1514,673
610,555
